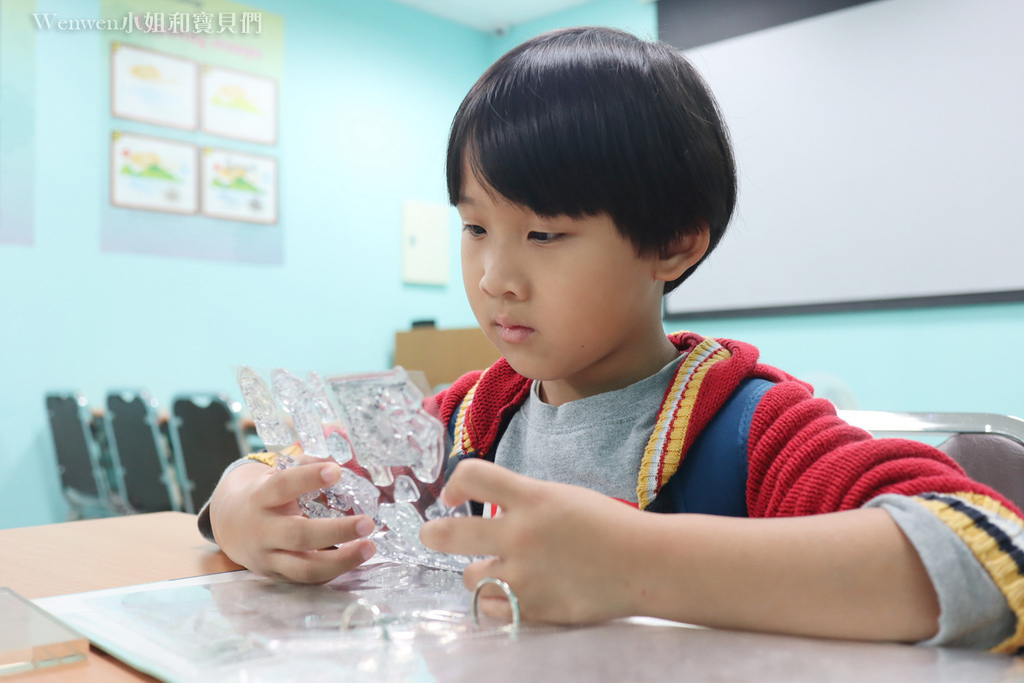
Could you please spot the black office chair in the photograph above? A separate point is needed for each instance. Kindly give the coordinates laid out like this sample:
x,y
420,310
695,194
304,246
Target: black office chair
x,y
136,443
990,447
90,480
205,438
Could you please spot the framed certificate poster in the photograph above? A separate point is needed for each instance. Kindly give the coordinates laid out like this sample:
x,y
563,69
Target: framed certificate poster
x,y
153,174
237,186
239,105
153,87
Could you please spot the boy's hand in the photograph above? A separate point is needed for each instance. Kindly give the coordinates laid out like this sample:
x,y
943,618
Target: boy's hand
x,y
573,555
563,549
257,522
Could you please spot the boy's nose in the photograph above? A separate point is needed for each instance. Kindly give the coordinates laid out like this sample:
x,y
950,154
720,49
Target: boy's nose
x,y
501,277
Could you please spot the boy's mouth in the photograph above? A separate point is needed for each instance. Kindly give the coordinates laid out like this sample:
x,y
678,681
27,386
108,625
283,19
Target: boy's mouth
x,y
512,333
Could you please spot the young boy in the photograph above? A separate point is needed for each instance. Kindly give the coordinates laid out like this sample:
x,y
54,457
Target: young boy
x,y
593,173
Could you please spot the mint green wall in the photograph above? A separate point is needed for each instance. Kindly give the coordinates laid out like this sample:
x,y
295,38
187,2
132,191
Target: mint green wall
x,y
957,359
636,16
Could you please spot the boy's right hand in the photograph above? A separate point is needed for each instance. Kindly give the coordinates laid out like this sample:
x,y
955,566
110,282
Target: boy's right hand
x,y
257,522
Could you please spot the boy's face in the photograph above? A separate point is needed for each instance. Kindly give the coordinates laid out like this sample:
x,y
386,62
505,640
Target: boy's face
x,y
566,301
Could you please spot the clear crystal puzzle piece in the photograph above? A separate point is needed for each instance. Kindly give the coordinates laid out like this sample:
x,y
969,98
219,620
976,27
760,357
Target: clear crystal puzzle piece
x,y
403,521
426,439
339,447
258,399
401,540
320,398
405,490
438,510
388,426
294,397
355,493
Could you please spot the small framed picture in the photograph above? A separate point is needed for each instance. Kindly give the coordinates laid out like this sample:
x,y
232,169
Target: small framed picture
x,y
153,87
153,174
238,186
239,105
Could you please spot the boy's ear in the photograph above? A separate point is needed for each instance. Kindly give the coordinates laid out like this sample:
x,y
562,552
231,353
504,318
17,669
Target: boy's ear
x,y
682,254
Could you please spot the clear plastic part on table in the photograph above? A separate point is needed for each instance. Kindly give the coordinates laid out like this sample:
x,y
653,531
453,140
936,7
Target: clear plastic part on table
x,y
374,425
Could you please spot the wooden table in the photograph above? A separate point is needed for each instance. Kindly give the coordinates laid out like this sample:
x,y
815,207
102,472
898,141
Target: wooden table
x,y
89,555
92,555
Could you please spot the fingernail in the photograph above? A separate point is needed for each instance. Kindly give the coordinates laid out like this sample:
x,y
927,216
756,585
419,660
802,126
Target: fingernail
x,y
329,474
365,526
367,550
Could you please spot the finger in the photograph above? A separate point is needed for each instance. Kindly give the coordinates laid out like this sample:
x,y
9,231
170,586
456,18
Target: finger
x,y
284,486
299,533
320,566
303,459
476,572
492,601
495,606
464,535
483,481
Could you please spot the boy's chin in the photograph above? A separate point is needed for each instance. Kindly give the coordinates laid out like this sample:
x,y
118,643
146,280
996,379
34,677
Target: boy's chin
x,y
529,369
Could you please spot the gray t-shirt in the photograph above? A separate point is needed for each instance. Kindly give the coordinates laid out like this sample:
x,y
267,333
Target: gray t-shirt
x,y
599,441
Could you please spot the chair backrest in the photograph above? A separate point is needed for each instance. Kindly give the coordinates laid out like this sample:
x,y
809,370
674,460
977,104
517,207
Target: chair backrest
x,y
133,433
992,459
990,447
205,438
85,483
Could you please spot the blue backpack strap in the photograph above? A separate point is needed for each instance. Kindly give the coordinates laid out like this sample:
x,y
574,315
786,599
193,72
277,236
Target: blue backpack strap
x,y
451,458
712,479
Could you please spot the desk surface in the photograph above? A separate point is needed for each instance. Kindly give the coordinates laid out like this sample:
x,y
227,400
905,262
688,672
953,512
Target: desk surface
x,y
92,555
89,555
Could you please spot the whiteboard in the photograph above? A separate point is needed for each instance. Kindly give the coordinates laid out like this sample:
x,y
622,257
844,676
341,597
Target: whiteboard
x,y
879,151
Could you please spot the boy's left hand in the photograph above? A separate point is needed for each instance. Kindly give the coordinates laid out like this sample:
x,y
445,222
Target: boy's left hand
x,y
564,550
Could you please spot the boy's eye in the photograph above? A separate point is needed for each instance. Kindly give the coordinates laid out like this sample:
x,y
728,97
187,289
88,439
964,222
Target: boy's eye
x,y
474,230
544,237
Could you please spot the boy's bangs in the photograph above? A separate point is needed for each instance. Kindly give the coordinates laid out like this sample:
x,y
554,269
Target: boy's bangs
x,y
543,163
551,127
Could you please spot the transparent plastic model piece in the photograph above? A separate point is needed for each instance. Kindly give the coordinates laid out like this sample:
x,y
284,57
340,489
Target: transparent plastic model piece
x,y
388,426
258,399
297,400
372,423
32,639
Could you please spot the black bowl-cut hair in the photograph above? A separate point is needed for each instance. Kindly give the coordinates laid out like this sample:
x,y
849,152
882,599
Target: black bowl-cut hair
x,y
588,121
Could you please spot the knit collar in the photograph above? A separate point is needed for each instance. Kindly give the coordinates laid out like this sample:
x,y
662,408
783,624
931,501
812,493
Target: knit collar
x,y
689,403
